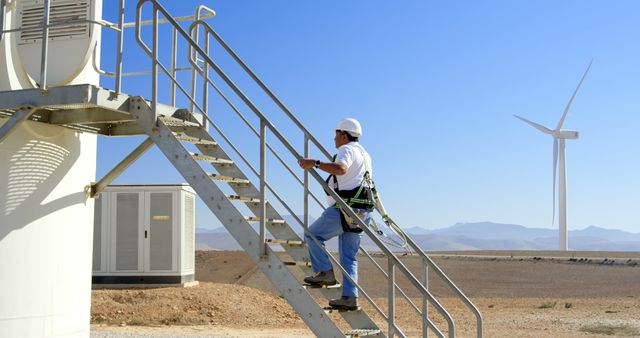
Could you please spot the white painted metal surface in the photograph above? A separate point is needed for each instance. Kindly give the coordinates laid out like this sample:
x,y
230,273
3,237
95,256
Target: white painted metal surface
x,y
45,214
45,240
71,46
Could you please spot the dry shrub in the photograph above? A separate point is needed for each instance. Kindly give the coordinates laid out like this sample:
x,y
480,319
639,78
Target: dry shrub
x,y
610,330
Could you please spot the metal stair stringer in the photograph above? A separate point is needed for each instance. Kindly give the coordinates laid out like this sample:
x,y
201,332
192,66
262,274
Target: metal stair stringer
x,y
270,264
356,319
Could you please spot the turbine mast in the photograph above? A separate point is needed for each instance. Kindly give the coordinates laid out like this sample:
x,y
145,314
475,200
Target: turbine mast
x,y
562,199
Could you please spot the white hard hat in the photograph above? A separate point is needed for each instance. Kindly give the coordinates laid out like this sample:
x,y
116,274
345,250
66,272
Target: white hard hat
x,y
350,125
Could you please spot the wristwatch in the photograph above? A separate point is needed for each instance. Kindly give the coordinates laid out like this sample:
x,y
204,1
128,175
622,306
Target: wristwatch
x,y
317,165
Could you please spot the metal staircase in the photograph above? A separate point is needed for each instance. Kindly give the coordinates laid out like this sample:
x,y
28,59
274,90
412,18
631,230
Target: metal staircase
x,y
206,185
254,222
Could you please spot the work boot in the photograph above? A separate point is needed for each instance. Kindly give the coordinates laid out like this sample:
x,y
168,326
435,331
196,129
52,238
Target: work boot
x,y
348,303
322,278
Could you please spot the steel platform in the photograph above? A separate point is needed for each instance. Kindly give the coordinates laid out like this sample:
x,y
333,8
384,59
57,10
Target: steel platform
x,y
82,107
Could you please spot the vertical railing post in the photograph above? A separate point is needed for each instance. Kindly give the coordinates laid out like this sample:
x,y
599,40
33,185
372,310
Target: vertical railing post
x,y
120,47
306,184
45,45
154,68
3,5
174,63
194,72
425,301
391,298
205,82
263,173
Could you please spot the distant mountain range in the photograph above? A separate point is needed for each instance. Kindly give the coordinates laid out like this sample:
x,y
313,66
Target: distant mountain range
x,y
473,236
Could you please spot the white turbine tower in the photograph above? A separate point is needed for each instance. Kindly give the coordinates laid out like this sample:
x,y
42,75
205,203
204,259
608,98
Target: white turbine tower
x,y
559,136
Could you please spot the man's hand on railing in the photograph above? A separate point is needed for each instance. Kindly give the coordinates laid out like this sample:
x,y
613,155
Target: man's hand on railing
x,y
306,163
330,167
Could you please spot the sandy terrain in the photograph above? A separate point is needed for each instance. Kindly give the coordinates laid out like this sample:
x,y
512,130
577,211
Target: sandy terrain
x,y
518,297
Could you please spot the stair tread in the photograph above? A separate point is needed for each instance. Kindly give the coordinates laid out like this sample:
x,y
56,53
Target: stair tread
x,y
269,220
317,286
329,309
229,179
284,241
243,199
212,159
174,122
297,263
195,140
362,332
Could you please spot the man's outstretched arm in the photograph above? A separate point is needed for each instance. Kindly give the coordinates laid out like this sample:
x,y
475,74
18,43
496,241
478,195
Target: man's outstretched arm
x,y
330,167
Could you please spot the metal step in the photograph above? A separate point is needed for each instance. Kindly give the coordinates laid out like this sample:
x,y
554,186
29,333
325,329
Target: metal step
x,y
362,333
269,220
329,309
211,159
290,263
229,179
284,241
172,122
243,199
321,286
195,140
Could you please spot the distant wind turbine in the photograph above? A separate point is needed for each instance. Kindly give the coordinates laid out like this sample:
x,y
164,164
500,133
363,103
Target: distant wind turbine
x,y
559,136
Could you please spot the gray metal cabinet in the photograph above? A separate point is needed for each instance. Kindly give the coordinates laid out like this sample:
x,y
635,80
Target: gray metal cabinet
x,y
144,235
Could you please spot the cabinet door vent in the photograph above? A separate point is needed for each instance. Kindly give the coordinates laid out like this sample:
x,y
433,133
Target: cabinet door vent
x,y
31,20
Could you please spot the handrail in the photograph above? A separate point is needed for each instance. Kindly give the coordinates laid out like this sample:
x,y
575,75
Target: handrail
x,y
293,151
281,200
414,246
198,16
266,124
237,111
449,282
292,213
338,199
260,83
242,117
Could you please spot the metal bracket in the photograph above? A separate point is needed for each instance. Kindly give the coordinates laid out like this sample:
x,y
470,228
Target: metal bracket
x,y
139,106
14,121
96,188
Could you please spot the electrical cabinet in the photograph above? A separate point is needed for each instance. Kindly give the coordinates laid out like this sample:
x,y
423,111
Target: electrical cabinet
x,y
144,235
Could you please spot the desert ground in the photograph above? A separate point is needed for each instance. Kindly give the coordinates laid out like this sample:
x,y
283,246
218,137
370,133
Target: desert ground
x,y
520,294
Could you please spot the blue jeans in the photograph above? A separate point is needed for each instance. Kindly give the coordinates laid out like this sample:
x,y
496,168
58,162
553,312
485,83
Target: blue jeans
x,y
325,228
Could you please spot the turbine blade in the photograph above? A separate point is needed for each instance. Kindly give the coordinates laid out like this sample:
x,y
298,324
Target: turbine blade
x,y
535,125
566,110
555,172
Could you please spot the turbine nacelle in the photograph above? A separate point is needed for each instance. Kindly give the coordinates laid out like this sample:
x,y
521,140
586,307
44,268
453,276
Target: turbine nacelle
x,y
566,134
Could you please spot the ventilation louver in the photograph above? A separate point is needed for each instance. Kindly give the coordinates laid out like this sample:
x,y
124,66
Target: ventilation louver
x,y
60,12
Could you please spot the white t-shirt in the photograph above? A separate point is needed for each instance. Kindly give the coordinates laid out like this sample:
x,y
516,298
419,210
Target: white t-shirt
x,y
354,157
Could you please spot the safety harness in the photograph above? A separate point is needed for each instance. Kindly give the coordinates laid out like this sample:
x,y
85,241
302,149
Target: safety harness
x,y
363,200
360,199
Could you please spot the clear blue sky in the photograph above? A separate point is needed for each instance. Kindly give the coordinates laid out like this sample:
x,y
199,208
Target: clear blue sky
x,y
435,84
